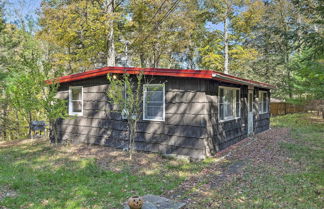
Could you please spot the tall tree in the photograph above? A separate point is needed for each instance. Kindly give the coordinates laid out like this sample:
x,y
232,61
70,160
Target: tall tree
x,y
83,30
163,32
225,46
126,93
222,12
111,57
2,21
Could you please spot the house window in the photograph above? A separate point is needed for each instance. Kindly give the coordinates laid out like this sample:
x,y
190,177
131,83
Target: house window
x,y
263,102
153,102
76,100
229,103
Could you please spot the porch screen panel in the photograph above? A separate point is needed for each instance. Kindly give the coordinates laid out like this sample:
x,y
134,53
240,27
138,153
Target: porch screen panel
x,y
229,103
228,100
263,102
265,99
237,104
221,104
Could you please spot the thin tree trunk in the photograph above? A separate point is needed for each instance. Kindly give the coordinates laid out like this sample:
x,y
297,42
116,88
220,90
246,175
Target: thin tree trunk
x,y
110,36
143,61
131,139
4,120
226,68
18,123
299,30
53,135
132,132
289,85
29,124
70,62
142,50
288,71
286,58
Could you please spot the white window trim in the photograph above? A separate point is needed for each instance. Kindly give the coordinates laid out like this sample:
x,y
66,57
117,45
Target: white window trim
x,y
70,101
144,95
234,107
260,101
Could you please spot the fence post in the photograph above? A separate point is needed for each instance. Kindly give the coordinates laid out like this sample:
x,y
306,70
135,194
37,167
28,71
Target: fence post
x,y
285,105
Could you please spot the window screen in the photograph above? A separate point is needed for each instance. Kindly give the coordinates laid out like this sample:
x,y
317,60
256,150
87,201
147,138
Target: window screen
x,y
75,100
263,102
237,106
229,103
153,102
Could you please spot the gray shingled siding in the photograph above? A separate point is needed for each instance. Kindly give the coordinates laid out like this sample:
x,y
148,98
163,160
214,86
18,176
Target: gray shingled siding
x,y
183,131
226,133
191,125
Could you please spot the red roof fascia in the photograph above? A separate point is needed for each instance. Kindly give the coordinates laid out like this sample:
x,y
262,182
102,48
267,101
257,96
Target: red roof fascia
x,y
205,74
247,80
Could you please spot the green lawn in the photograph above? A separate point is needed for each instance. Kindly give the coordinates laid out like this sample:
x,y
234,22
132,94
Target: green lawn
x,y
297,181
43,177
39,175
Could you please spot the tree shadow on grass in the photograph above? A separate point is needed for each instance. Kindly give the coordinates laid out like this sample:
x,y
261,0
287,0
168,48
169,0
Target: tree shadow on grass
x,y
46,176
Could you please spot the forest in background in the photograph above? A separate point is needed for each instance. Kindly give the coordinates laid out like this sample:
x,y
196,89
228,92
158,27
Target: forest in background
x,y
280,42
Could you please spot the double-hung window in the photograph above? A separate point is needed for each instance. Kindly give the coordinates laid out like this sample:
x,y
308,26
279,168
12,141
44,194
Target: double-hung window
x,y
153,102
263,102
76,100
229,103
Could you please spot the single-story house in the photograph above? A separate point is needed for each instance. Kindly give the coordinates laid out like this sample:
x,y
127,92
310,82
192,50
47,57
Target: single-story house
x,y
195,112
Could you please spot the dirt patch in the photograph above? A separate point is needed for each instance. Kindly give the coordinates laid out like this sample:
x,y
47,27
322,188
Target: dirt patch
x,y
232,169
314,119
113,159
18,142
263,147
108,158
6,192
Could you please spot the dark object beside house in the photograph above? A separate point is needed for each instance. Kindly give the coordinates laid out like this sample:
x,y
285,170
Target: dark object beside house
x,y
38,126
194,113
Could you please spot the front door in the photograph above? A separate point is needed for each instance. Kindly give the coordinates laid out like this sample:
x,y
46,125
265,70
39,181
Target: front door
x,y
250,112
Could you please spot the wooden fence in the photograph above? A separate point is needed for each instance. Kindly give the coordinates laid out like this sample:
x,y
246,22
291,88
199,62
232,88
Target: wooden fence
x,y
283,108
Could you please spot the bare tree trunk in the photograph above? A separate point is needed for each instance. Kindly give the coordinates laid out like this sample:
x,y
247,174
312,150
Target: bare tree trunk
x,y
4,120
289,85
70,62
29,125
110,36
299,31
132,124
290,93
131,136
53,133
286,56
226,68
143,61
18,123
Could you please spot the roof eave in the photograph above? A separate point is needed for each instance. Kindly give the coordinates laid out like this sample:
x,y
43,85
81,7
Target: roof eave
x,y
233,80
204,74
